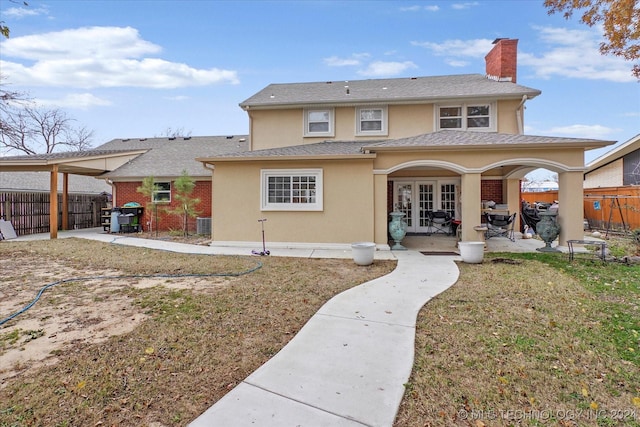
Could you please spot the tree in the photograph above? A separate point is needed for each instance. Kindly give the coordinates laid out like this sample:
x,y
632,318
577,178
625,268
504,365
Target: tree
x,y
169,132
4,29
30,128
147,189
620,20
186,205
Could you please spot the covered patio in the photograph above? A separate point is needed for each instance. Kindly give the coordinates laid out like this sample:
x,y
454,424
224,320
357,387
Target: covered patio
x,y
87,163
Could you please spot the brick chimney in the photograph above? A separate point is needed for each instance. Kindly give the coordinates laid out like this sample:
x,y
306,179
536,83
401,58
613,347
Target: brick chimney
x,y
502,60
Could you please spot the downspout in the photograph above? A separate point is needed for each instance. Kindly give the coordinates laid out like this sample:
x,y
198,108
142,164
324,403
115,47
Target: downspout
x,y
520,114
211,168
113,190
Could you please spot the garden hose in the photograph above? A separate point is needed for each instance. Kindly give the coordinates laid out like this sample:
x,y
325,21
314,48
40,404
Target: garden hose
x,y
136,276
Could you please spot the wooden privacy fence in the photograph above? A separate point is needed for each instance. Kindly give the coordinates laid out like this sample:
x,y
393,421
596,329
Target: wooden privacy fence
x,y
610,208
29,212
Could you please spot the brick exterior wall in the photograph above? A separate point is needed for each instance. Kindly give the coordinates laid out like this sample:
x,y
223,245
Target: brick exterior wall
x,y
502,60
491,189
126,192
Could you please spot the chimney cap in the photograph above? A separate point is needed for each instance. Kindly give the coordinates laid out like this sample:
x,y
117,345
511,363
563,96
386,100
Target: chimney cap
x,y
498,40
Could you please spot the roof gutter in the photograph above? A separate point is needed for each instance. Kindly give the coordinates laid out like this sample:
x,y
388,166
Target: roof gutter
x,y
211,160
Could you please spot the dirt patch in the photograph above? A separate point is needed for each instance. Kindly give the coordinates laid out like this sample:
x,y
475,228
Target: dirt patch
x,y
67,315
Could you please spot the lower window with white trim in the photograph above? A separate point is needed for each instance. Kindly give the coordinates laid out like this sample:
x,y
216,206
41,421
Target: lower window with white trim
x,y
291,190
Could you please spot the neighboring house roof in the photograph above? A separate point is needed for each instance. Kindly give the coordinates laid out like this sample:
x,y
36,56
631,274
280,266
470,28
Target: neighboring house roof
x,y
618,152
445,139
39,182
389,91
168,157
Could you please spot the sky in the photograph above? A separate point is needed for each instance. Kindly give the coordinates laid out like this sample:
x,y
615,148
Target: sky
x,y
135,68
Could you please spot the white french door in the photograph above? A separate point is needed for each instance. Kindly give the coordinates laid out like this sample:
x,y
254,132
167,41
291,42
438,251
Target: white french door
x,y
416,198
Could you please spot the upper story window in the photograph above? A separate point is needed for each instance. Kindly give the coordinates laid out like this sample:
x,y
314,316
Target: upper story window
x,y
467,117
371,121
291,189
162,192
318,122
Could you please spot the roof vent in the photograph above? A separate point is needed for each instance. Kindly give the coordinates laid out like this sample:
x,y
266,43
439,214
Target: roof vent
x,y
171,138
143,139
125,140
242,139
186,138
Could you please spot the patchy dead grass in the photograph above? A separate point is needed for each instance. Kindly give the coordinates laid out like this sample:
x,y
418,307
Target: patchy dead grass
x,y
531,342
189,340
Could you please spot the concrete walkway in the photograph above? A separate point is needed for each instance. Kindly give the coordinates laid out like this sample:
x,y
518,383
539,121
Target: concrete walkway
x,y
348,365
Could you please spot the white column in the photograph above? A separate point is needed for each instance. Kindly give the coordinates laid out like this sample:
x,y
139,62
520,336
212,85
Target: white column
x,y
571,201
471,206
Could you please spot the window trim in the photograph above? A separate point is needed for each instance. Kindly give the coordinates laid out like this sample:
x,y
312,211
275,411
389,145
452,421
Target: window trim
x,y
384,131
265,205
330,132
464,106
156,192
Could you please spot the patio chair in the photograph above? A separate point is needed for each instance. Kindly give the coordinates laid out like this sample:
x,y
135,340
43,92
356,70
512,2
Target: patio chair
x,y
440,222
500,225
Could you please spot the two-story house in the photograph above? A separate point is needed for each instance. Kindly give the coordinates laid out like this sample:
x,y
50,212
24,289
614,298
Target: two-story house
x,y
328,161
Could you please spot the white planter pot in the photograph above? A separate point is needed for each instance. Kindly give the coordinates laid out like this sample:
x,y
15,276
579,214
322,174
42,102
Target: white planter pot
x,y
471,252
363,252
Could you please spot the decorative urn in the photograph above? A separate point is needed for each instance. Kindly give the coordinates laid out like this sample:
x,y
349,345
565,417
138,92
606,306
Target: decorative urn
x,y
548,230
397,230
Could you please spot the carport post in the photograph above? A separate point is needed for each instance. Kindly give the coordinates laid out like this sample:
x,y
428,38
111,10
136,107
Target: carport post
x,y
53,203
65,201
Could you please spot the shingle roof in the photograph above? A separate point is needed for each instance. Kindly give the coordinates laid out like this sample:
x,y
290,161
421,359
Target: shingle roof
x,y
67,154
327,148
169,157
386,90
444,139
39,181
452,138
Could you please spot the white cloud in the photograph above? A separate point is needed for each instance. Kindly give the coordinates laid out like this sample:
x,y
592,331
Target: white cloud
x,y
456,63
21,12
467,5
575,54
381,68
178,98
334,61
80,101
475,48
414,8
354,60
99,57
417,8
583,131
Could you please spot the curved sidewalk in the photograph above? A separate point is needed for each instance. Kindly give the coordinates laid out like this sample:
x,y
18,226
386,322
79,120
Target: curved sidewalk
x,y
348,365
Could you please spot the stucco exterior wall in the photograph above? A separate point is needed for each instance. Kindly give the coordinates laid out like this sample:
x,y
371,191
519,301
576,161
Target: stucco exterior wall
x,y
347,215
507,116
610,175
285,127
482,159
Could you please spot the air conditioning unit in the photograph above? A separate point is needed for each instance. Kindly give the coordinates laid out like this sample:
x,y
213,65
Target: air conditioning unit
x,y
203,226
